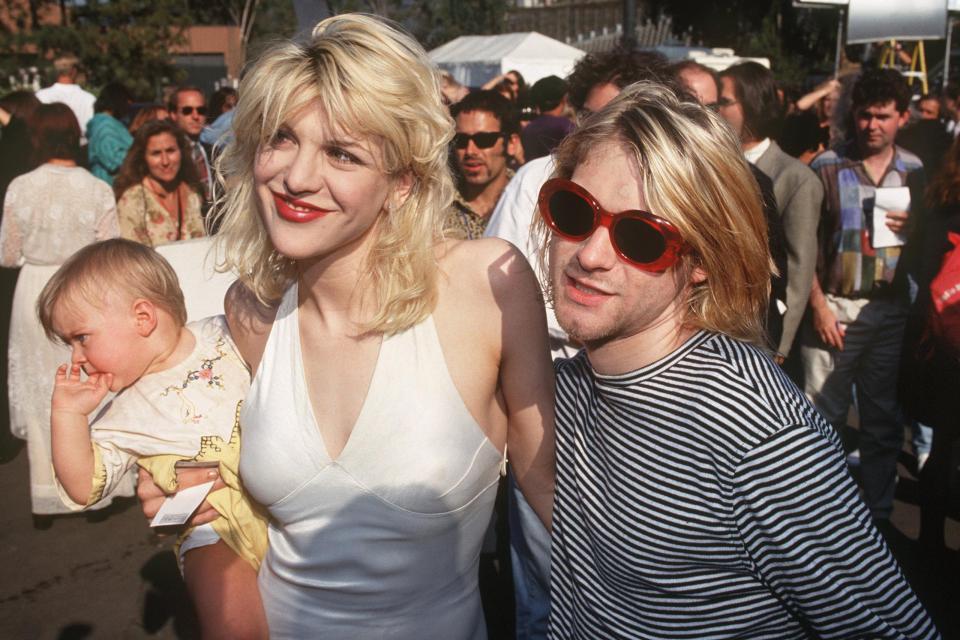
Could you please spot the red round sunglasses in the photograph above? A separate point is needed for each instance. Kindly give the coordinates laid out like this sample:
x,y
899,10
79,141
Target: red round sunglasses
x,y
639,238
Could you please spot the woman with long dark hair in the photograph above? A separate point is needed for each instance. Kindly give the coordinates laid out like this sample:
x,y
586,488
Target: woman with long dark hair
x,y
48,214
158,188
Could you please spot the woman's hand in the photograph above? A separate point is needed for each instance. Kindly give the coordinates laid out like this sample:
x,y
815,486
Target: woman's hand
x,y
151,496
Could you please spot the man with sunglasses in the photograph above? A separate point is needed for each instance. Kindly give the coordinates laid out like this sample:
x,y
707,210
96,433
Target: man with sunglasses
x,y
188,109
749,103
699,494
595,80
487,137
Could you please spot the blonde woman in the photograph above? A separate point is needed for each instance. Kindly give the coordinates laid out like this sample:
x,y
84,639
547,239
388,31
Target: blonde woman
x,y
392,369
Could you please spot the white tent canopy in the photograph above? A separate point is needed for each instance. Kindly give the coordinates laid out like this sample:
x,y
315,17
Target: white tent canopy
x,y
473,60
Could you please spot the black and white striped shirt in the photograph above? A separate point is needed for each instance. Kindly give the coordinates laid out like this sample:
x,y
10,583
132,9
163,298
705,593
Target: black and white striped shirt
x,y
703,497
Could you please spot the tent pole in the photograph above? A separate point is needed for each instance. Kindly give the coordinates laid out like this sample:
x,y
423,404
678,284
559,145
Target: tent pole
x,y
946,57
836,61
629,24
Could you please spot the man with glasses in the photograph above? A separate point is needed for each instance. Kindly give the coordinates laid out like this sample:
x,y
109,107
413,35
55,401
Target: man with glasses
x,y
596,79
698,493
188,109
487,136
749,103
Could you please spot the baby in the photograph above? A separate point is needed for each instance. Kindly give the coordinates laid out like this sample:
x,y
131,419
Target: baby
x,y
118,305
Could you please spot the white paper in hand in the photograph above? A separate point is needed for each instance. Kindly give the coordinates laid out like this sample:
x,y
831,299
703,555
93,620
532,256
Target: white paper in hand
x,y
888,199
178,508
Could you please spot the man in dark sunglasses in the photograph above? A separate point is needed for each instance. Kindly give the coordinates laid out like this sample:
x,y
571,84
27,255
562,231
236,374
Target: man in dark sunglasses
x,y
698,493
487,137
188,108
596,79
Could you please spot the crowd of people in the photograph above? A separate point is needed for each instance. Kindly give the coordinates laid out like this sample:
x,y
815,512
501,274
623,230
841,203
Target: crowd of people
x,y
728,271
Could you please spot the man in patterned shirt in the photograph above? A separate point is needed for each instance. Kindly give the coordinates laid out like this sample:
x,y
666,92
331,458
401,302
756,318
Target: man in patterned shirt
x,y
698,493
487,136
858,310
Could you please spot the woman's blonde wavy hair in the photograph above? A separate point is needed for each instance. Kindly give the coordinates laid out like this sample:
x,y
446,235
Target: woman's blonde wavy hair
x,y
694,175
371,79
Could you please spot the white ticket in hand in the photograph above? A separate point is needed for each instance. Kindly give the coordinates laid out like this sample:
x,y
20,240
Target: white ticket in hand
x,y
888,199
178,508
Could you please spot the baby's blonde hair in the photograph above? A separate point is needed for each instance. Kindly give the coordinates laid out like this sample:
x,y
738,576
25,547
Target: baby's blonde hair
x,y
120,266
370,79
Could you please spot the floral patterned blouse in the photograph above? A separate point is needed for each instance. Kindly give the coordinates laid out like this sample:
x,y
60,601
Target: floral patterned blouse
x,y
144,219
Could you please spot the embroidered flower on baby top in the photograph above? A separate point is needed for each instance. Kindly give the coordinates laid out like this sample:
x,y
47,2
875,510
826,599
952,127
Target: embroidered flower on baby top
x,y
204,376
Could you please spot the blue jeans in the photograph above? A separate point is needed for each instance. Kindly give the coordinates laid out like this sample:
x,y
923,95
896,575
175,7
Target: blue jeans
x,y
530,555
869,363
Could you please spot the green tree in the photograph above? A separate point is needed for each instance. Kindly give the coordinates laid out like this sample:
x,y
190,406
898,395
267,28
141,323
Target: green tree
x,y
127,41
433,22
797,41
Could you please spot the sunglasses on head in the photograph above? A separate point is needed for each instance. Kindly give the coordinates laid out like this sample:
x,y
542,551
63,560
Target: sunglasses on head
x,y
640,238
483,140
186,111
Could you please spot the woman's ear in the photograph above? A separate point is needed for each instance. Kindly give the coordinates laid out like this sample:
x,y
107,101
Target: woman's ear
x,y
698,275
402,186
145,316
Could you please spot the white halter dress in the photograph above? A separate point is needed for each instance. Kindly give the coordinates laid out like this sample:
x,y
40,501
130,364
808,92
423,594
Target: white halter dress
x,y
384,540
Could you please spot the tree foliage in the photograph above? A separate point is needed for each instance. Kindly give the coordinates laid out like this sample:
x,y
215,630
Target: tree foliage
x,y
797,41
128,41
433,22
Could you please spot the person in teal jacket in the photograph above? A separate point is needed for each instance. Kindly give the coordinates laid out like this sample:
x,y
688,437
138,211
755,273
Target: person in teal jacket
x,y
107,137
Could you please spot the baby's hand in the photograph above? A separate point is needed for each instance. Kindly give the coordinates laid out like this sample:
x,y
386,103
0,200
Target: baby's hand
x,y
73,395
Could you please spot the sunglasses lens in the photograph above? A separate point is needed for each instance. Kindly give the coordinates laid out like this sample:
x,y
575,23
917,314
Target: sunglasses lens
x,y
483,140
639,240
486,140
572,215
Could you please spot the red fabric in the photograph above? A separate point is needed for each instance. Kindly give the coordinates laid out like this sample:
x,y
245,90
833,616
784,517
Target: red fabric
x,y
945,295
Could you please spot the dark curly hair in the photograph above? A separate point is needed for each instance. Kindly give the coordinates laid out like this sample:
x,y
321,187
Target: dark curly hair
x,y
620,67
880,86
491,102
134,168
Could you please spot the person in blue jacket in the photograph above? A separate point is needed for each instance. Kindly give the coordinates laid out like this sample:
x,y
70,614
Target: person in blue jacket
x,y
107,137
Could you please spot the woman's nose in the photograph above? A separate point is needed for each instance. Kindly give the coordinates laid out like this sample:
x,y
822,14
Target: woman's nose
x,y
304,175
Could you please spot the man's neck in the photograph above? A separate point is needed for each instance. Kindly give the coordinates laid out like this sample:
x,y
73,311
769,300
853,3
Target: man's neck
x,y
631,352
876,164
483,198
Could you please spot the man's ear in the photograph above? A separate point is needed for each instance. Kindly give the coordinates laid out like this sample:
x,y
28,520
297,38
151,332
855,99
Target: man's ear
x,y
145,315
513,141
904,119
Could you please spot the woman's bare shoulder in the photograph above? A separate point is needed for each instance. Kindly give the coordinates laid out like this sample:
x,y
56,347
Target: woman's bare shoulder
x,y
250,321
486,258
486,270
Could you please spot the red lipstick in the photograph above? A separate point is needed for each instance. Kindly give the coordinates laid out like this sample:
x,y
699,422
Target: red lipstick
x,y
293,210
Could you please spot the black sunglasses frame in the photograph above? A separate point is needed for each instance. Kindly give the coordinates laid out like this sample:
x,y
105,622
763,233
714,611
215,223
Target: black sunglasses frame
x,y
462,140
186,111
